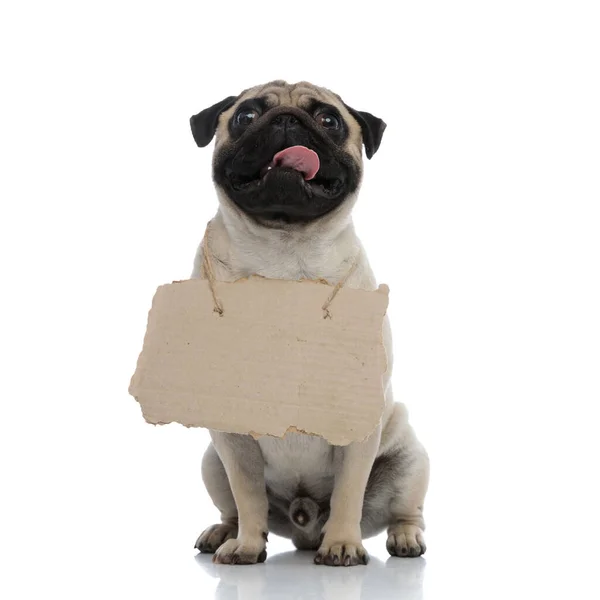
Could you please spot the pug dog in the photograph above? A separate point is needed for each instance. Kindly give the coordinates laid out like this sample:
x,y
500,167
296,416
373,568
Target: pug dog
x,y
287,167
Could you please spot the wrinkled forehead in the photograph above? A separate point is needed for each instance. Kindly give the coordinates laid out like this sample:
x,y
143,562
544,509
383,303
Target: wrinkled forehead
x,y
301,95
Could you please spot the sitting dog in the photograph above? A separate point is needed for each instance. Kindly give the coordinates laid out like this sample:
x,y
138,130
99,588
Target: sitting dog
x,y
287,167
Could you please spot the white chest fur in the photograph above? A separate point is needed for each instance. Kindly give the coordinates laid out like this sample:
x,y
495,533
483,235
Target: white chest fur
x,y
298,461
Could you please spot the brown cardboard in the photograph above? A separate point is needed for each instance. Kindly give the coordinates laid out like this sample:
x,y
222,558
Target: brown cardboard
x,y
271,363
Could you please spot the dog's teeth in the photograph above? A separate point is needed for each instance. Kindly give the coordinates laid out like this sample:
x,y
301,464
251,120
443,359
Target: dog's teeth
x,y
269,168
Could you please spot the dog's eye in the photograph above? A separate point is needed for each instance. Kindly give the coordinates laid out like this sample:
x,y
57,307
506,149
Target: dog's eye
x,y
328,121
245,117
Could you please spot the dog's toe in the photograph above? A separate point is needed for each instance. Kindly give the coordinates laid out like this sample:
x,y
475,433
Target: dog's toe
x,y
214,536
406,541
234,552
341,555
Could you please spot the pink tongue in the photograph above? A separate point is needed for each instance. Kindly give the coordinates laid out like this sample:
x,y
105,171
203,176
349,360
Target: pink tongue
x,y
299,158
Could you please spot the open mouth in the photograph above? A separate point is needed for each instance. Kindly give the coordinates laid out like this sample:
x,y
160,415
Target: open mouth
x,y
298,162
328,187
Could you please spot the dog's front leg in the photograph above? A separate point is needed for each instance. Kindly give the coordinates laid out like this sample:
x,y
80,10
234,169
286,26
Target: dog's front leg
x,y
244,465
342,540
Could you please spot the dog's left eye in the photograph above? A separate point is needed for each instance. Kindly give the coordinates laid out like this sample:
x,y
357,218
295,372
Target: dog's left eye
x,y
328,121
245,117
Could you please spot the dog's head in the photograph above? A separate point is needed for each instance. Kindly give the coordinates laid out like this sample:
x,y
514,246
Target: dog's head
x,y
289,153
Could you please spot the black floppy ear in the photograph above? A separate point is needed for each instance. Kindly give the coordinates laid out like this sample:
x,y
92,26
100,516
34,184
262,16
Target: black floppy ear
x,y
204,124
372,129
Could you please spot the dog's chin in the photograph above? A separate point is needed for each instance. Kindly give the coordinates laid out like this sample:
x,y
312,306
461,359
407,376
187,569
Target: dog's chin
x,y
283,194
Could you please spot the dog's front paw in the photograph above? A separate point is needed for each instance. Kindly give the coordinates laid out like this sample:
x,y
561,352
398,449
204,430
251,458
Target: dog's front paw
x,y
212,537
341,554
405,540
236,552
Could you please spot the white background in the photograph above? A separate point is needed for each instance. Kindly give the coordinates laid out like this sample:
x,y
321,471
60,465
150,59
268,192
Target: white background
x,y
481,211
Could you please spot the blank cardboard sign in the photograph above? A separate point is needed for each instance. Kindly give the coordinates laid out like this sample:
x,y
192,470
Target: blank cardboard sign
x,y
274,361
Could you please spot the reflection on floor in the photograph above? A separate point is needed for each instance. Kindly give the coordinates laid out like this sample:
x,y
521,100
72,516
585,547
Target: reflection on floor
x,y
292,575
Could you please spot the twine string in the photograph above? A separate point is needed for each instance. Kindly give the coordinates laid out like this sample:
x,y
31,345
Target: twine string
x,y
209,272
212,281
338,286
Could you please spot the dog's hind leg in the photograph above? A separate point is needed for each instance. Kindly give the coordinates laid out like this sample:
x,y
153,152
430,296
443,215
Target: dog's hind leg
x,y
396,490
406,524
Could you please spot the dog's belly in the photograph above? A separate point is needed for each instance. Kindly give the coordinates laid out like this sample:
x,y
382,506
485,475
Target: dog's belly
x,y
298,464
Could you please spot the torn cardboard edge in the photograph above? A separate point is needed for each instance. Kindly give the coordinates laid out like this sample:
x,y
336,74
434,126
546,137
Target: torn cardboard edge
x,y
270,364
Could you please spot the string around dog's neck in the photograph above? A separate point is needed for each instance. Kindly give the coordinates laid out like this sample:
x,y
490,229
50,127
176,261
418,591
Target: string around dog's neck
x,y
209,274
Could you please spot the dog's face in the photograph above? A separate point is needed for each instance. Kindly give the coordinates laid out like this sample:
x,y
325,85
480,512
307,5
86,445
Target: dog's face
x,y
290,153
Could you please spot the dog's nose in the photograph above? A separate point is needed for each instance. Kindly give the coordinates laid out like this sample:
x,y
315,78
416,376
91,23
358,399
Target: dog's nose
x,y
285,121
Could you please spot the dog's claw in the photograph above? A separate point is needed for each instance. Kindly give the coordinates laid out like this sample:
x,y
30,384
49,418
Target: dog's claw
x,y
337,555
406,541
215,535
234,552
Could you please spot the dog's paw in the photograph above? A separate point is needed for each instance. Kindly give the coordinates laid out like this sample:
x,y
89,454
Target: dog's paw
x,y
215,535
236,552
405,541
341,554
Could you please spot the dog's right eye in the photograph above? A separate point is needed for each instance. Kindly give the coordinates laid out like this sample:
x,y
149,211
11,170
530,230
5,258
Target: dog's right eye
x,y
245,117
